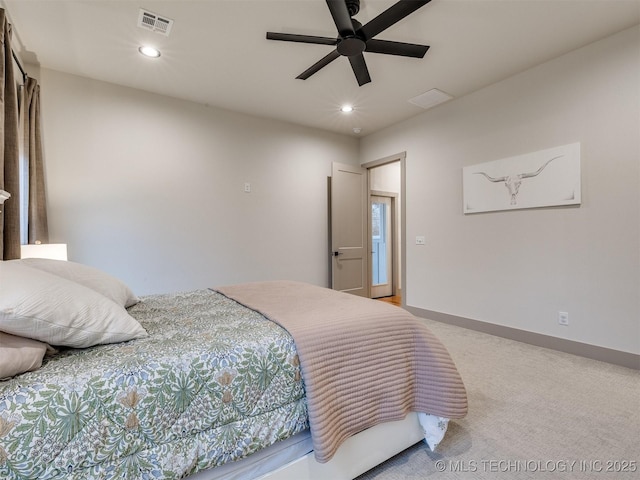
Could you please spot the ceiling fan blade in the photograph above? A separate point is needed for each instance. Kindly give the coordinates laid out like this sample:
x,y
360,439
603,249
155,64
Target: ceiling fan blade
x,y
341,17
392,15
290,37
318,65
396,48
360,69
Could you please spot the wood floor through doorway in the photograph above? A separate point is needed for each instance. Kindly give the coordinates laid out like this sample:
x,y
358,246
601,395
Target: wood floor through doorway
x,y
395,300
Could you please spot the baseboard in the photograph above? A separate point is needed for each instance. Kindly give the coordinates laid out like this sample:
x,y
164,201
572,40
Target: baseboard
x,y
616,357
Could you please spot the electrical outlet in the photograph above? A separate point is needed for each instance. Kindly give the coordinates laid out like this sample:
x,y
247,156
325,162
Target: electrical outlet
x,y
563,318
420,240
247,187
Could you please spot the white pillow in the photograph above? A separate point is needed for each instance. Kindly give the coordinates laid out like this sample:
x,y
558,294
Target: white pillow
x,y
38,305
85,275
19,355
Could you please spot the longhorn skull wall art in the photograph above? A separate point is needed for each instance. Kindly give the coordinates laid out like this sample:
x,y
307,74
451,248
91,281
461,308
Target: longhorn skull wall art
x,y
512,182
546,178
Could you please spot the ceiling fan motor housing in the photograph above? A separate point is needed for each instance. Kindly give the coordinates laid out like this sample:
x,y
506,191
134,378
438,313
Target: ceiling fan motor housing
x,y
350,46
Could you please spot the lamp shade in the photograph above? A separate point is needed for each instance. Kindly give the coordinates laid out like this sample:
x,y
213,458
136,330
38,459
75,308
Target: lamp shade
x,y
55,251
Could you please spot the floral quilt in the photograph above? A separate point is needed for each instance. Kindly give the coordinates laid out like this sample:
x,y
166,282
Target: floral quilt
x,y
213,382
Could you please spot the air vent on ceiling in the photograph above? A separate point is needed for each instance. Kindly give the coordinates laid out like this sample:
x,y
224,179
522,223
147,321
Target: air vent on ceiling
x,y
430,98
154,22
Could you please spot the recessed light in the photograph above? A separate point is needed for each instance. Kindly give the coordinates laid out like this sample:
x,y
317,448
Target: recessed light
x,y
357,129
149,51
346,109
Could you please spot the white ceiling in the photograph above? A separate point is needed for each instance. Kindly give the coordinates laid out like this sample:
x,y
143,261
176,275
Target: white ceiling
x,y
217,53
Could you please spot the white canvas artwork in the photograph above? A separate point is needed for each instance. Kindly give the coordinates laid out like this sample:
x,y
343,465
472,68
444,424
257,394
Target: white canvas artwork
x,y
540,179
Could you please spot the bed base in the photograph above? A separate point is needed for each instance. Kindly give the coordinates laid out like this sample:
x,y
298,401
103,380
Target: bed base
x,y
357,454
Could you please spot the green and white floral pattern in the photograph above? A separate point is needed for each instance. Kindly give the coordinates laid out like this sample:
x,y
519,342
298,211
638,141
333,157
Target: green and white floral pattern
x,y
212,383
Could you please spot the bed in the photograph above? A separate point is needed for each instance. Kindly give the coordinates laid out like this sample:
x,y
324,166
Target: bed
x,y
262,380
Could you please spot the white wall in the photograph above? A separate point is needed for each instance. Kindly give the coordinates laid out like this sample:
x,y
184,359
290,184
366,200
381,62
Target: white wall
x,y
151,189
519,268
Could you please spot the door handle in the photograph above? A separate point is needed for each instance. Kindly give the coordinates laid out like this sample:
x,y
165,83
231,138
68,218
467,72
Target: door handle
x,y
335,254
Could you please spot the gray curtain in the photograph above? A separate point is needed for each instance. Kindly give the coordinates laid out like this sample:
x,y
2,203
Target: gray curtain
x,y
37,226
9,148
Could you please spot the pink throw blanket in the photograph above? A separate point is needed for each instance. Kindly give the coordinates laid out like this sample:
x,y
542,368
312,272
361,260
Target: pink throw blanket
x,y
363,362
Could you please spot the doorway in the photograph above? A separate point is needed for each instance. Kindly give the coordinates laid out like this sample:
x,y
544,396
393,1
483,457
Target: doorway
x,y
384,193
351,190
382,229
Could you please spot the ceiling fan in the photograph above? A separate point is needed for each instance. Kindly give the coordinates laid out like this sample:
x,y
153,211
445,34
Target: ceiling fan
x,y
354,38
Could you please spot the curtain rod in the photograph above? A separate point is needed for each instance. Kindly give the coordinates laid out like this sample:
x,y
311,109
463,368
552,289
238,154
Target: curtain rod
x,y
24,73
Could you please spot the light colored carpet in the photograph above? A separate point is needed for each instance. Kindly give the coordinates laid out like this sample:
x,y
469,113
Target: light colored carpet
x,y
533,413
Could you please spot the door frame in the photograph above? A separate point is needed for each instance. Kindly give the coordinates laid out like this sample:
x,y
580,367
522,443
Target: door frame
x,y
398,157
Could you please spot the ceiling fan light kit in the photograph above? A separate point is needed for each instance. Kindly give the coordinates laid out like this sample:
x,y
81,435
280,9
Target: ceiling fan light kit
x,y
354,38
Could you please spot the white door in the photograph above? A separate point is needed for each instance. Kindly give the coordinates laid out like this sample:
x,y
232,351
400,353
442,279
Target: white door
x,y
349,206
381,247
